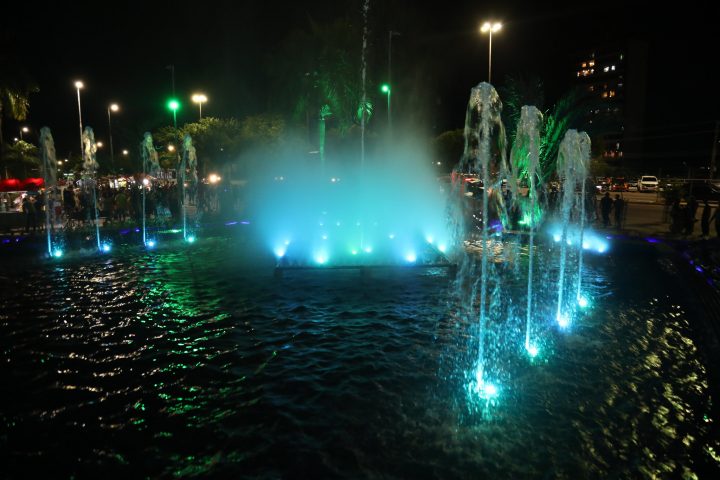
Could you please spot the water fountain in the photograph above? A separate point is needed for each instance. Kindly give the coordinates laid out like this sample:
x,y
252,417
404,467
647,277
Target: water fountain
x,y
151,168
188,185
90,167
49,171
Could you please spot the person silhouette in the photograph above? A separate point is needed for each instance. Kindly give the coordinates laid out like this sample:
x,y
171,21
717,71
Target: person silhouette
x,y
606,205
619,206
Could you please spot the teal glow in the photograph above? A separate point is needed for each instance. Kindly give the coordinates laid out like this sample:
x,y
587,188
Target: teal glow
x,y
324,237
563,320
368,249
582,301
150,244
586,245
391,236
442,248
354,252
57,253
602,248
411,257
191,239
280,252
321,258
556,237
532,350
429,239
105,247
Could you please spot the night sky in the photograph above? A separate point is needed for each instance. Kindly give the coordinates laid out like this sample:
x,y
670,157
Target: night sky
x,y
121,51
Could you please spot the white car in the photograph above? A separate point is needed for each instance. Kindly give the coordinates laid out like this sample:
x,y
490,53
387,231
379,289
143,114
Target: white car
x,y
647,183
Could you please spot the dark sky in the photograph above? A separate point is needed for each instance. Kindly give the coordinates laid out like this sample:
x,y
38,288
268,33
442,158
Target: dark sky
x,y
121,50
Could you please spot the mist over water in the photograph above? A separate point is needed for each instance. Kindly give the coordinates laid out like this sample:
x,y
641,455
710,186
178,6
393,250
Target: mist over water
x,y
389,209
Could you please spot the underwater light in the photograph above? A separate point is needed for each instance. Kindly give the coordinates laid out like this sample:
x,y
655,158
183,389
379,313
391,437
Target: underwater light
x,y
532,350
150,243
602,248
324,237
391,236
368,249
429,239
586,245
411,257
191,239
105,247
287,242
280,252
354,252
321,258
582,301
556,237
563,320
57,253
442,248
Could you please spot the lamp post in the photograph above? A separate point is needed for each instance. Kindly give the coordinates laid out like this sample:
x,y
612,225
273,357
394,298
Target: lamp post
x,y
387,90
23,130
199,98
174,105
78,86
490,28
112,108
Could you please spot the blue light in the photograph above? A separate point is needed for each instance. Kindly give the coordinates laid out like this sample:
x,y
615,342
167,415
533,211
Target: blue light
x,y
368,249
411,257
391,236
321,258
586,245
57,253
602,248
582,301
556,237
532,350
429,239
105,247
150,243
563,320
354,252
442,248
191,238
280,252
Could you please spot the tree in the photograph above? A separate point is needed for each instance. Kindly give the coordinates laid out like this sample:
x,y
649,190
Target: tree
x,y
22,160
15,89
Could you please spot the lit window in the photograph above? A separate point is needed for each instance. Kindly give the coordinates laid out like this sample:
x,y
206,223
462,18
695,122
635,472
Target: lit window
x,y
612,68
604,95
584,64
592,63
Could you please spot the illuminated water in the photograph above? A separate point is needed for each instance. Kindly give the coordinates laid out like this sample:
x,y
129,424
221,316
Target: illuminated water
x,y
192,361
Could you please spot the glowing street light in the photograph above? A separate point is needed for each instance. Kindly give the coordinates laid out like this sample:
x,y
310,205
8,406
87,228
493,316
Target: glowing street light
x,y
112,108
78,86
490,28
174,105
385,88
99,144
199,98
23,130
171,148
125,152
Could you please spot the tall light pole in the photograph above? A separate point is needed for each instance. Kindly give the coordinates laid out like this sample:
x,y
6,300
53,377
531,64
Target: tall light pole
x,y
112,108
387,90
174,105
490,28
199,98
78,86
23,130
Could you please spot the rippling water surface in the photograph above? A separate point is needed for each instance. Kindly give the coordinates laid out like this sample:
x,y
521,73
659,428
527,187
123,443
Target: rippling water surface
x,y
196,362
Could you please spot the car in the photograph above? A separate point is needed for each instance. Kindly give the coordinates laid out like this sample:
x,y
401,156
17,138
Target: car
x,y
633,186
648,183
701,190
618,184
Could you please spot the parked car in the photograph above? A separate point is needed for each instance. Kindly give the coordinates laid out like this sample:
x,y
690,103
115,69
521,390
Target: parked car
x,y
648,183
633,186
618,185
701,190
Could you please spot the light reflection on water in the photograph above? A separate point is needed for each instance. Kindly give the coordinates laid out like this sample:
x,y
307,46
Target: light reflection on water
x,y
178,364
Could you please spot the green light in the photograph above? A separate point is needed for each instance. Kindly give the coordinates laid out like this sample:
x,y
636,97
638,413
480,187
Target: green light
x,y
173,104
385,88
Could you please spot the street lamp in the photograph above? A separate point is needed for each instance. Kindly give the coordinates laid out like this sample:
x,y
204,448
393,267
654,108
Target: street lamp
x,y
99,144
385,88
174,105
490,28
23,130
125,152
112,108
78,86
199,98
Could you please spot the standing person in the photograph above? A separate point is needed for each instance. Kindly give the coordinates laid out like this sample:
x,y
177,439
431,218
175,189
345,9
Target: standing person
x,y
705,220
619,206
716,217
606,205
28,209
690,212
